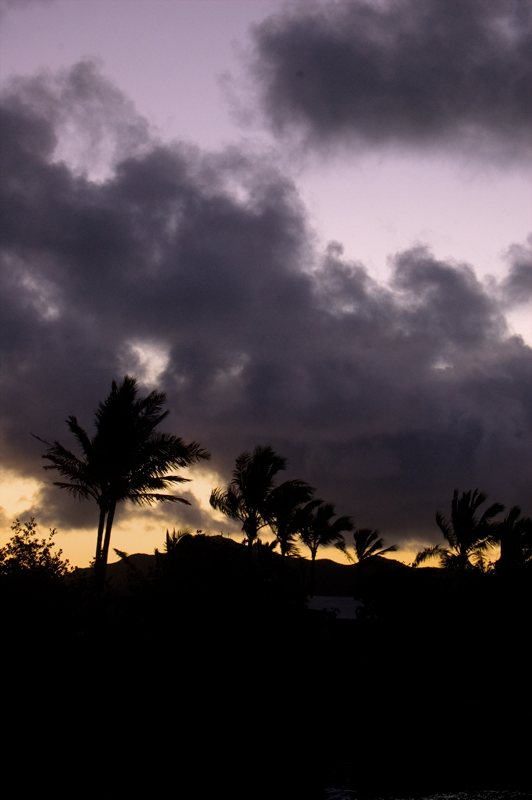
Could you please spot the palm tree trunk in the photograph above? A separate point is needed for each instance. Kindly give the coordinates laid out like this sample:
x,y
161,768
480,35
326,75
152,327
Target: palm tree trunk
x,y
107,540
312,572
251,531
101,525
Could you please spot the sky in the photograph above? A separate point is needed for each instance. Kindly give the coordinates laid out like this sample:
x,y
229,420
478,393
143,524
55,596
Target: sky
x,y
308,223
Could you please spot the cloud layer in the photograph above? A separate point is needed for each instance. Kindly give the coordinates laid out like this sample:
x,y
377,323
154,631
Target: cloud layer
x,y
198,270
400,72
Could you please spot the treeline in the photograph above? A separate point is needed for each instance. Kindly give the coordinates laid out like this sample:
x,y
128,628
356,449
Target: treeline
x,y
208,675
129,459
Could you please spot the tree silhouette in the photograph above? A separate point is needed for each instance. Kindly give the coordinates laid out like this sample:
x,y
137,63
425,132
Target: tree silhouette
x,y
249,497
468,537
367,544
173,540
25,552
319,530
126,459
286,515
514,535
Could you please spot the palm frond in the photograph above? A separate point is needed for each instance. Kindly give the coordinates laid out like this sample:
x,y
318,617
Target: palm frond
x,y
430,552
446,528
342,547
78,490
492,511
228,502
149,498
80,434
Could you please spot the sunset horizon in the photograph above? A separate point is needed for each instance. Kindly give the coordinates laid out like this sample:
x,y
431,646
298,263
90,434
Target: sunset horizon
x,y
307,224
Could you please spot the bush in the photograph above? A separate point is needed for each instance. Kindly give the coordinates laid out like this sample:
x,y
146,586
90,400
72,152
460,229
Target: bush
x,y
25,552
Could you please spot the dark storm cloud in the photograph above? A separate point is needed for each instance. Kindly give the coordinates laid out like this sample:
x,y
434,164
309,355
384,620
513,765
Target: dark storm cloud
x,y
402,71
517,288
384,397
92,120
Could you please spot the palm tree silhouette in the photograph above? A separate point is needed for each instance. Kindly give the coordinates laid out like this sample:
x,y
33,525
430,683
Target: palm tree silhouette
x,y
248,497
126,459
367,544
286,514
468,537
319,530
514,535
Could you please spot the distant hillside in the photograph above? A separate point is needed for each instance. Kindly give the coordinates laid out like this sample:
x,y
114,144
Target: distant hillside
x,y
331,578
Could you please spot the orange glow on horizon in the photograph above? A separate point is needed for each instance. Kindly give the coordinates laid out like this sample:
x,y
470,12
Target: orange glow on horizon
x,y
139,531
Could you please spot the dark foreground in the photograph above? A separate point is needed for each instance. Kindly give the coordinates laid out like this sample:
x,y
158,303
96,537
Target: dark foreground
x,y
211,679
486,794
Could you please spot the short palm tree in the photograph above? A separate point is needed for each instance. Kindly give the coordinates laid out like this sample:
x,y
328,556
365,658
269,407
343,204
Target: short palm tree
x,y
468,536
285,512
319,529
514,535
248,497
367,544
126,459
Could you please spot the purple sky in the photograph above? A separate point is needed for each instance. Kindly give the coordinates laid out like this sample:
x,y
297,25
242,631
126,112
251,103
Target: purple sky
x,y
307,223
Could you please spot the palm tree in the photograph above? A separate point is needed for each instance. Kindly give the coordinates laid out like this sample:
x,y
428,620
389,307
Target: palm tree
x,y
126,459
514,535
319,530
468,536
249,496
286,515
367,544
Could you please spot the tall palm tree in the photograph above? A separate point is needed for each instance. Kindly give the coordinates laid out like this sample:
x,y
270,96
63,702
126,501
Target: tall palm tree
x,y
248,497
367,544
468,536
320,530
126,459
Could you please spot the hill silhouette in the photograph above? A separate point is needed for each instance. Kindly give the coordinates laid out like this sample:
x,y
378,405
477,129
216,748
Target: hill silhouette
x,y
331,577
